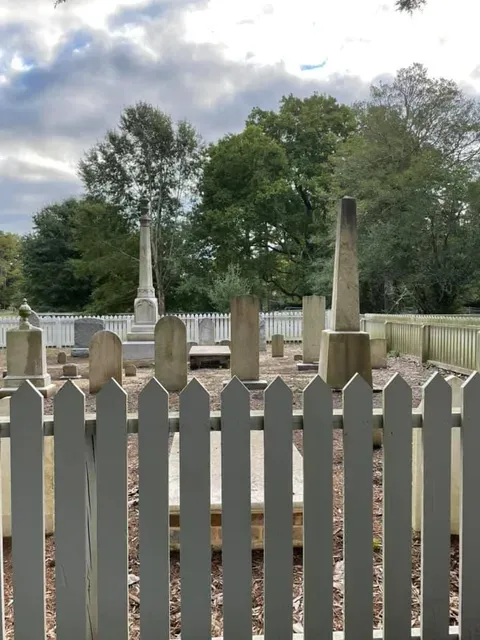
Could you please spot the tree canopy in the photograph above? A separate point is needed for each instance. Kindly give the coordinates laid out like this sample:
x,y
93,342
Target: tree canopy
x,y
255,211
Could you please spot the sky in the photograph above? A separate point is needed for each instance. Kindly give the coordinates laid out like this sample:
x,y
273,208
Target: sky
x,y
66,73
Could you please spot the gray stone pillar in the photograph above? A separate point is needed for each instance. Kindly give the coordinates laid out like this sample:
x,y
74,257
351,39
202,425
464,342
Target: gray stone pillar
x,y
245,340
313,325
146,304
345,350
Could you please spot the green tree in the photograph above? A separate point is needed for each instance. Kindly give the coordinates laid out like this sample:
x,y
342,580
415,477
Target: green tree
x,y
149,165
266,194
11,280
107,246
49,254
226,286
412,166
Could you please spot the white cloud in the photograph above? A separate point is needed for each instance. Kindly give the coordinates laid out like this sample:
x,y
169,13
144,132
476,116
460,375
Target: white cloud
x,y
66,73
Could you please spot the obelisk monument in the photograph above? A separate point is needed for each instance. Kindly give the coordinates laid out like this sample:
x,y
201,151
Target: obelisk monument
x,y
145,305
345,350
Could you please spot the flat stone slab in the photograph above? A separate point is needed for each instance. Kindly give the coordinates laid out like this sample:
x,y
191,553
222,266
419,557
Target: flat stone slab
x,y
79,352
47,392
252,385
141,350
70,377
307,366
209,356
256,484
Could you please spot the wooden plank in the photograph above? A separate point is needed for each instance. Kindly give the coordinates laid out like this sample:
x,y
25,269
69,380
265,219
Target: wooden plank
x,y
28,517
357,499
278,554
91,516
236,512
317,510
112,524
469,513
435,582
154,544
195,552
397,509
70,514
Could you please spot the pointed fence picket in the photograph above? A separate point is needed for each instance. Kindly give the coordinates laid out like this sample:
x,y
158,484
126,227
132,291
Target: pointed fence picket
x,y
91,510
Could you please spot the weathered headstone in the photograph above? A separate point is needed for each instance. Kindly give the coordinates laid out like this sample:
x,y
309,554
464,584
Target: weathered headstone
x,y
171,353
105,359
245,338
277,346
225,343
206,331
456,467
26,358
130,370
378,353
70,371
84,329
263,339
62,357
345,350
297,357
313,325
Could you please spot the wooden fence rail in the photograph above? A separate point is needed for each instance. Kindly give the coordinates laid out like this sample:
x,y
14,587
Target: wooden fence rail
x,y
91,536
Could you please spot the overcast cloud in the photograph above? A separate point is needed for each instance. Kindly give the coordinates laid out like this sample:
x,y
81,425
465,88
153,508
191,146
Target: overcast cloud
x,y
67,73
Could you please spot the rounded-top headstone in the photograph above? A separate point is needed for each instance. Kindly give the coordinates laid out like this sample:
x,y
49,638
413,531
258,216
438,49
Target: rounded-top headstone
x,y
62,357
105,359
171,353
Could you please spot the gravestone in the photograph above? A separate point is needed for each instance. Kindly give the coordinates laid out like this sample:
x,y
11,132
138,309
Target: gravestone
x,y
130,370
277,346
69,372
171,353
105,359
62,357
263,339
245,339
26,358
456,466
190,345
378,353
225,343
84,329
206,332
345,350
313,325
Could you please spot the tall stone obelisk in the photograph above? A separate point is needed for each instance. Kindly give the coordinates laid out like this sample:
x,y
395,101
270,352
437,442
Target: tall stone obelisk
x,y
140,340
345,350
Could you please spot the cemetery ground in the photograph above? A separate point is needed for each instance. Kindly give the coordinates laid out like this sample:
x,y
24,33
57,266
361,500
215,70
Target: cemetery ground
x,y
412,371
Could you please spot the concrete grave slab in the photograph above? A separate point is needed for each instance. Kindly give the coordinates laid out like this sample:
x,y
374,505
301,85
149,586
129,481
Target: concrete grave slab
x,y
257,491
209,356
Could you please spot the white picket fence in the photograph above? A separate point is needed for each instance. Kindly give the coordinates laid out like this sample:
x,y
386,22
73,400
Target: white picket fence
x,y
91,513
59,329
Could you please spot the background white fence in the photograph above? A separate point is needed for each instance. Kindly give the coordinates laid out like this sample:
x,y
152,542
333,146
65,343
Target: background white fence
x,y
59,329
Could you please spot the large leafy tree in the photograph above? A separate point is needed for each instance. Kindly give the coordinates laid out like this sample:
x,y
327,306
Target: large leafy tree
x,y
413,166
107,246
266,193
11,281
49,254
148,165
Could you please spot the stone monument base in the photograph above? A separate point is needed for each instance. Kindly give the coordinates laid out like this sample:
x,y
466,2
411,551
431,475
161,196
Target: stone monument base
x,y
140,336
307,366
252,385
47,391
342,355
257,492
140,350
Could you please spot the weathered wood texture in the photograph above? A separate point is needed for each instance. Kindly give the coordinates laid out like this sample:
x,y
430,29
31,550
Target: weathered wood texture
x,y
91,510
